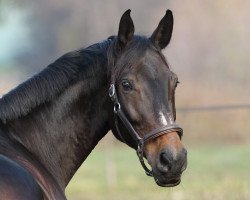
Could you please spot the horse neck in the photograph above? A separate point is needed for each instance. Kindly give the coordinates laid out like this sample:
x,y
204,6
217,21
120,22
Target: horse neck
x,y
62,133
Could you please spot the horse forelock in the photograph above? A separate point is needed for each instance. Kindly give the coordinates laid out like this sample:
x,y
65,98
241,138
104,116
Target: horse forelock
x,y
122,59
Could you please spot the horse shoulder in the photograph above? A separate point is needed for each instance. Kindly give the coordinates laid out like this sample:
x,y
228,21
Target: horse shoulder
x,y
16,183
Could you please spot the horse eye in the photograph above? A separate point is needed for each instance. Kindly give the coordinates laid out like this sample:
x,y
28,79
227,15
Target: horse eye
x,y
127,86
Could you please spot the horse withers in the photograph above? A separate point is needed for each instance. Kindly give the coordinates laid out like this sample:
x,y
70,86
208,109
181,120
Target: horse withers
x,y
51,123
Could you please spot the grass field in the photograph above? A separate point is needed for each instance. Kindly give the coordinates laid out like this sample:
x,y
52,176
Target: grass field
x,y
213,173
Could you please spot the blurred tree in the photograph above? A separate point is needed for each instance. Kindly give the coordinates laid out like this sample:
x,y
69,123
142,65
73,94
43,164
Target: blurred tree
x,y
2,7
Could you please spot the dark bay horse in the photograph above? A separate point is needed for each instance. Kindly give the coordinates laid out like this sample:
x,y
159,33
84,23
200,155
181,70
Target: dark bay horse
x,y
51,123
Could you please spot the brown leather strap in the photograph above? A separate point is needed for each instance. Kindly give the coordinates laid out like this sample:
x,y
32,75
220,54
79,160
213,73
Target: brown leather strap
x,y
163,130
128,126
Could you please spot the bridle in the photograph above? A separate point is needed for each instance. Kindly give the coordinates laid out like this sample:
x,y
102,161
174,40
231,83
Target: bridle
x,y
140,141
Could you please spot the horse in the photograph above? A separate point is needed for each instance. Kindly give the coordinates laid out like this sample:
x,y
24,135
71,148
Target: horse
x,y
50,123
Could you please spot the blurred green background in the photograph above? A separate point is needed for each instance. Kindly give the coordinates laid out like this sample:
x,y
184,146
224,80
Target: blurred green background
x,y
210,53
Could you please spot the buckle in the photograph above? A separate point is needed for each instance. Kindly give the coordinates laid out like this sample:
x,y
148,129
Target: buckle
x,y
117,106
111,91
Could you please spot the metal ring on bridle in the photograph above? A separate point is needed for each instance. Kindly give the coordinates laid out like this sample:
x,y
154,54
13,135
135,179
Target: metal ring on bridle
x,y
112,90
117,106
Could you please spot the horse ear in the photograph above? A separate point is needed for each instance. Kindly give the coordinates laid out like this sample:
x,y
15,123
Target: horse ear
x,y
162,34
126,28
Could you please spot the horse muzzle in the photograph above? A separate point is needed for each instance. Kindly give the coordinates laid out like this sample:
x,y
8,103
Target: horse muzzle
x,y
168,166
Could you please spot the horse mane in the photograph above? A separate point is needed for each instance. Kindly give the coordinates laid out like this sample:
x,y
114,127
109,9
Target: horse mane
x,y
69,69
53,80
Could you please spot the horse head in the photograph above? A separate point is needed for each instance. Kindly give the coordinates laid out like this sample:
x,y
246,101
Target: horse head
x,y
143,94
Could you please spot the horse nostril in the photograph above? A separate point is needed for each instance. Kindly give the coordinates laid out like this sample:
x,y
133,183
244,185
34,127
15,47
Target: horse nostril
x,y
165,161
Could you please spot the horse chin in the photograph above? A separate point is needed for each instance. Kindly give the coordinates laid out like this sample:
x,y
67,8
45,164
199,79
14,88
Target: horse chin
x,y
163,181
171,183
